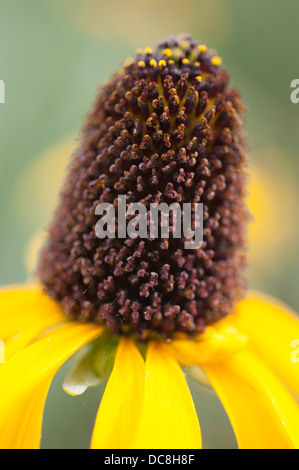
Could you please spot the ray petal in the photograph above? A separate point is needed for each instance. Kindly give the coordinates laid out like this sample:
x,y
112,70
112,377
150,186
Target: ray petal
x,y
25,311
262,411
168,419
25,379
119,410
273,332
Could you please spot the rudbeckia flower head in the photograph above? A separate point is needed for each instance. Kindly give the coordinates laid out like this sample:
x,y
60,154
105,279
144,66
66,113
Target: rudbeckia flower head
x,y
167,128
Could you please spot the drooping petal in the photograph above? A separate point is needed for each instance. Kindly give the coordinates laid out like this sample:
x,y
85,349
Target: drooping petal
x,y
168,419
24,312
262,411
25,379
120,407
24,419
272,329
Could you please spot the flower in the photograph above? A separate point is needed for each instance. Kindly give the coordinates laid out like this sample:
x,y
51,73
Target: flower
x,y
167,127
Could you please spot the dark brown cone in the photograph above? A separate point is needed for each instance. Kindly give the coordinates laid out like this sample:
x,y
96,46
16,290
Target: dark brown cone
x,y
166,127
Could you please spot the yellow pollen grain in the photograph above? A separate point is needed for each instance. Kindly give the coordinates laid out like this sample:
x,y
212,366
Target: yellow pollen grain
x,y
162,63
197,64
139,51
148,50
141,64
202,48
198,78
167,53
216,60
171,61
185,61
153,63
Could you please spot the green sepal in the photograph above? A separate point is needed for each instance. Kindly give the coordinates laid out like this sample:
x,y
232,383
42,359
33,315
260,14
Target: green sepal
x,y
93,365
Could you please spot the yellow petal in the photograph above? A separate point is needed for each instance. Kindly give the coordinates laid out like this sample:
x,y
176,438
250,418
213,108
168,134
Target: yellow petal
x,y
1,351
120,407
168,419
272,328
217,343
25,379
262,411
25,419
24,312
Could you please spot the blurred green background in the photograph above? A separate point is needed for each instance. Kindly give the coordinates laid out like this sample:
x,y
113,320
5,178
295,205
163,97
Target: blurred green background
x,y
53,56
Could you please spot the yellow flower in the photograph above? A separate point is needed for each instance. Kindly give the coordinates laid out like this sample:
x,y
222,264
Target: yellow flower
x,y
151,311
147,403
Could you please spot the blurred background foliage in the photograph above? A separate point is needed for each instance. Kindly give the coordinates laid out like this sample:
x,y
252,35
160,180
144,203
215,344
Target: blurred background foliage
x,y
53,56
